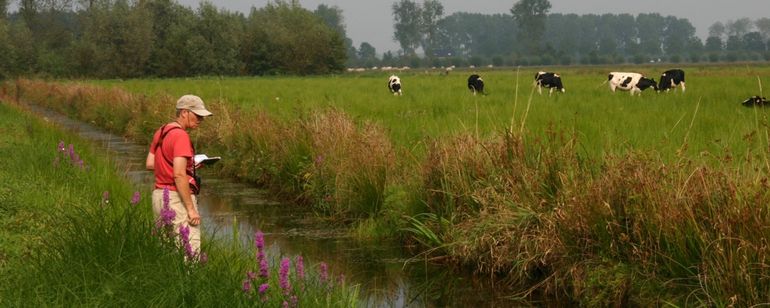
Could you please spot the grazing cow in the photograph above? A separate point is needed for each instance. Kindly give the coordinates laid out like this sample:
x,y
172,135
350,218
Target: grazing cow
x,y
476,84
548,80
394,85
756,101
670,79
633,82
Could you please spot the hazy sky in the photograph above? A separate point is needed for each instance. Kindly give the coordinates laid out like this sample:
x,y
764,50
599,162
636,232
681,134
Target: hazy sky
x,y
372,20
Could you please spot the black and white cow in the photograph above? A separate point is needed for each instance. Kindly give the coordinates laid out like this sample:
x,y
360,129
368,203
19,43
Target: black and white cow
x,y
756,101
548,80
394,85
670,79
476,84
633,82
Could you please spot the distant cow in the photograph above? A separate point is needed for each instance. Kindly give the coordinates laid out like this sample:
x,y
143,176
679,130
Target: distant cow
x,y
633,82
476,84
670,79
394,85
548,80
756,101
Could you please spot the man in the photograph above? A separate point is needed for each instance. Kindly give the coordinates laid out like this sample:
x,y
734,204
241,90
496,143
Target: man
x,y
171,159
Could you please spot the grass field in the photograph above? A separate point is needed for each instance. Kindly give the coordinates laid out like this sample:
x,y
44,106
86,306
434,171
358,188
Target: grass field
x,y
599,197
73,232
708,115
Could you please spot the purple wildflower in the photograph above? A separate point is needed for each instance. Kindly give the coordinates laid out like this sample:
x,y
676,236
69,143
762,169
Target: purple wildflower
x,y
184,234
263,288
263,266
259,241
167,215
136,198
324,269
203,258
294,300
285,304
283,276
251,275
71,152
246,286
300,268
60,146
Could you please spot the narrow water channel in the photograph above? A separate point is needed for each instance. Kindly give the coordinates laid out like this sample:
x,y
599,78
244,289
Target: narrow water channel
x,y
381,270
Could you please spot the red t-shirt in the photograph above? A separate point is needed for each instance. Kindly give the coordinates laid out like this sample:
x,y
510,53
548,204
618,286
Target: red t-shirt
x,y
176,143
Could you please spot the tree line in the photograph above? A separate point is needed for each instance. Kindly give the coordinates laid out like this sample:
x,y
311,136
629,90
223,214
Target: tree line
x,y
161,38
138,38
530,35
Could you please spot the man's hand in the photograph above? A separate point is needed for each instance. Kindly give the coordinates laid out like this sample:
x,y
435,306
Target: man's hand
x,y
193,217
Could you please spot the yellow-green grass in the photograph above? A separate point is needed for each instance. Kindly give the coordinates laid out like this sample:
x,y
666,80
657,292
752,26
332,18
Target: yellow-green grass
x,y
709,115
603,198
65,242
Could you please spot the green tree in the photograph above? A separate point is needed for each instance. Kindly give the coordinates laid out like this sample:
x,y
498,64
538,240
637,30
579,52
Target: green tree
x,y
738,27
714,44
717,29
432,11
753,42
285,38
406,15
763,26
214,45
650,33
530,16
676,34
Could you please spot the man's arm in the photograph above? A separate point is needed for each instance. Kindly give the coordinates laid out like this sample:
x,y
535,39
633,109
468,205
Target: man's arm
x,y
183,188
150,163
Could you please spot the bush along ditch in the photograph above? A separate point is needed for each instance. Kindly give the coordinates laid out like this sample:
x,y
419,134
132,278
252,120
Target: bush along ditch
x,y
628,229
81,236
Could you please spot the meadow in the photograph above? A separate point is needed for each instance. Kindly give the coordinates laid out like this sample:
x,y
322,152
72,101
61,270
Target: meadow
x,y
595,197
74,232
436,105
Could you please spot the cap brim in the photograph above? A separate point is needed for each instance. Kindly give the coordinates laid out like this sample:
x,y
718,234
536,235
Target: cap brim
x,y
201,112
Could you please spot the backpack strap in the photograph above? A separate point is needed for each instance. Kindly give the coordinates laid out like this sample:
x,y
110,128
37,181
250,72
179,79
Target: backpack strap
x,y
160,142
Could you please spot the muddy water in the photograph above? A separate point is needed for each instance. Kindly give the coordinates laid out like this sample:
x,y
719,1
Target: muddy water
x,y
385,277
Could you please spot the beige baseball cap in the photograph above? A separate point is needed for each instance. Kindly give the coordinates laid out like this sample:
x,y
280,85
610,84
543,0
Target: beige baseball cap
x,y
194,104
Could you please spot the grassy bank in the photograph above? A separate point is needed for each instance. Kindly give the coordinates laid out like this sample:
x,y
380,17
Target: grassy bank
x,y
74,233
594,197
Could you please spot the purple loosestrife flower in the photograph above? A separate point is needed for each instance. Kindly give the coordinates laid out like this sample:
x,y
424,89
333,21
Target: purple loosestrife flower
x,y
251,275
246,286
263,288
299,267
71,152
167,215
203,258
283,276
263,267
136,198
184,234
324,269
294,300
60,146
259,241
285,304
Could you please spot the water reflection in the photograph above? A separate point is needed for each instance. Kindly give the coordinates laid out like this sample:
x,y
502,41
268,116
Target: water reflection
x,y
386,279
